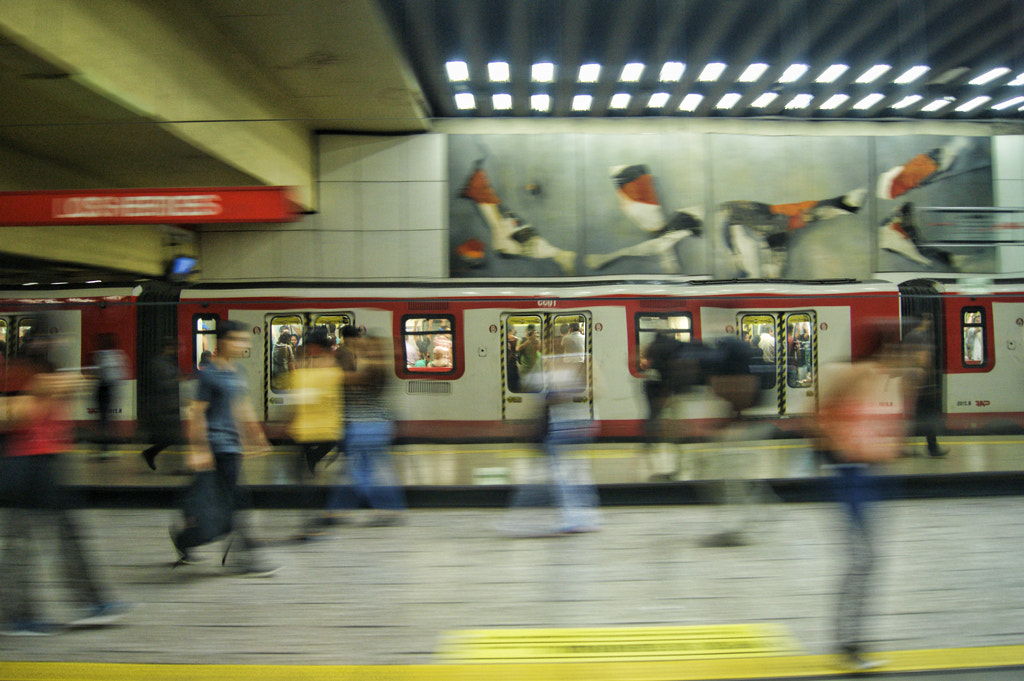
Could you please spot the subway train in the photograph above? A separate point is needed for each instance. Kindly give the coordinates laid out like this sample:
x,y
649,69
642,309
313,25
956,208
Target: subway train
x,y
465,352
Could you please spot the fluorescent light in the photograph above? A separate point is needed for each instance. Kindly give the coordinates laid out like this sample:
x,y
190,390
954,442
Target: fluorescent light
x,y
1008,103
658,100
497,71
728,100
457,71
502,102
94,281
581,102
873,73
907,101
620,100
938,104
792,73
542,72
869,101
1019,80
465,100
57,283
631,72
711,72
972,104
691,102
912,74
764,100
834,102
752,73
589,73
540,102
672,71
831,73
989,76
800,102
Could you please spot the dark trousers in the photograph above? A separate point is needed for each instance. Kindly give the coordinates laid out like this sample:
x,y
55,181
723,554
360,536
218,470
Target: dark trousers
x,y
856,490
228,467
104,398
37,502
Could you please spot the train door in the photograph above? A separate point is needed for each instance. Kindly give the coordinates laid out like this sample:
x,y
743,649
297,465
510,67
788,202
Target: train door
x,y
283,352
531,341
788,346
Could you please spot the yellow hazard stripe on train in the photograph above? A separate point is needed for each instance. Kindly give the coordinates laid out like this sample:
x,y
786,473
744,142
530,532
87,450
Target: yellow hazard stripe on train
x,y
617,644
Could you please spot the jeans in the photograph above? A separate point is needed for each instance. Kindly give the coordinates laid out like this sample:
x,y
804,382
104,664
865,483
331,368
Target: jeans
x,y
856,490
367,449
38,503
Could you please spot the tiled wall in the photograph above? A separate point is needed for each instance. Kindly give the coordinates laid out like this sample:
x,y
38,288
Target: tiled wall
x,y
383,215
1008,192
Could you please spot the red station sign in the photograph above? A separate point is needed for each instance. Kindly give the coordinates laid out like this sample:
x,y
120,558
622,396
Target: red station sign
x,y
179,206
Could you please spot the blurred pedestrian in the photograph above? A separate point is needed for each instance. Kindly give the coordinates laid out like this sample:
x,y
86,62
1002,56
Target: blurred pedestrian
x,y
861,422
369,431
165,405
110,370
316,425
37,432
222,425
919,347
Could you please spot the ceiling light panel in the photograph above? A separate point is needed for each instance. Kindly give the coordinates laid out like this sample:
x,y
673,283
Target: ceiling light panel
x,y
1019,80
497,71
465,101
834,102
631,72
672,71
793,73
1008,103
542,72
540,102
989,76
458,71
909,100
833,72
873,74
752,73
711,72
800,102
764,100
973,104
658,100
620,100
589,73
728,101
691,102
501,101
582,102
912,74
869,101
937,104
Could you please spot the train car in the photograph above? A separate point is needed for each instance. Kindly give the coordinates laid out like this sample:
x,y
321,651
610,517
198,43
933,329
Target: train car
x,y
456,373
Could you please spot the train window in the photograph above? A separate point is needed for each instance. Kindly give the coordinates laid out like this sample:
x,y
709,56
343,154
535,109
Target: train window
x,y
799,358
429,343
285,339
332,323
759,331
3,338
972,326
680,325
204,335
25,327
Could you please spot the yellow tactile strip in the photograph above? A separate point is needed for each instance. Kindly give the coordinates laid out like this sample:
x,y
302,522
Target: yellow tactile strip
x,y
677,670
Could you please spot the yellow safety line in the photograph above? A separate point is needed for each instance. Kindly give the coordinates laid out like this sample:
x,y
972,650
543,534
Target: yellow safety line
x,y
696,670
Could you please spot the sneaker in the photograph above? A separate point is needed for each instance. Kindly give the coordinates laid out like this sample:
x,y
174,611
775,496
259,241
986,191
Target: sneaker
x,y
30,628
256,570
102,615
855,662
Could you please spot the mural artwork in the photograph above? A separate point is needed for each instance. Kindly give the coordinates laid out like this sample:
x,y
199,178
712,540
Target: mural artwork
x,y
589,215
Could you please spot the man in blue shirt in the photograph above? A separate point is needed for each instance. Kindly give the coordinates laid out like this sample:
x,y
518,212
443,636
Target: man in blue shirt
x,y
222,424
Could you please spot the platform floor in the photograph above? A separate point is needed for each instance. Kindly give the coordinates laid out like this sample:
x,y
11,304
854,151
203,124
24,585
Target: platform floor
x,y
615,463
950,593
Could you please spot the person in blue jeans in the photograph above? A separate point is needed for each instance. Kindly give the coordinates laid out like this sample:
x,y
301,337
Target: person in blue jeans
x,y
369,431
